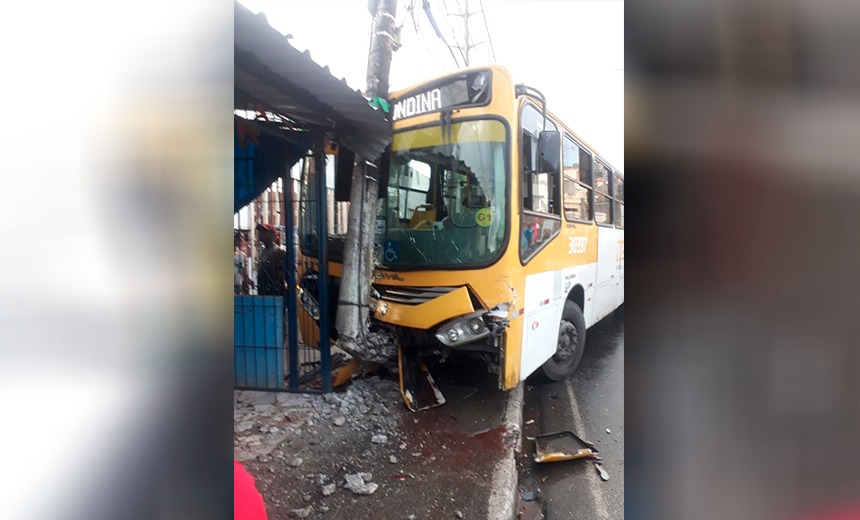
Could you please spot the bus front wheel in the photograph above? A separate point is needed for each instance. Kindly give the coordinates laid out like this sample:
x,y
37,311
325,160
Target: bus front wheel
x,y
571,344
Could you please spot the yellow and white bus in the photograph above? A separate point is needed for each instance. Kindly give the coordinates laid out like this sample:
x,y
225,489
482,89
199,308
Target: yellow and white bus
x,y
501,232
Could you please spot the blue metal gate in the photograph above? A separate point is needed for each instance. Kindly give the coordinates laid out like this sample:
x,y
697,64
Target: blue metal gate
x,y
269,352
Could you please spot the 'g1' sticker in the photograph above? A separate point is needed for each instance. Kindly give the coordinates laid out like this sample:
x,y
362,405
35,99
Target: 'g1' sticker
x,y
484,217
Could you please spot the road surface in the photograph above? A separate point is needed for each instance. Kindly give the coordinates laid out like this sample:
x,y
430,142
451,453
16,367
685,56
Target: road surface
x,y
589,403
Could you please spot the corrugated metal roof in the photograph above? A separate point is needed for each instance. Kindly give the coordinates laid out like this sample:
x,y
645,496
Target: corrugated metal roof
x,y
276,74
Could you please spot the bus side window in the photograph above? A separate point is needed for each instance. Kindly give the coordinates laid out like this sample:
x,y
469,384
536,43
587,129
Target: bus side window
x,y
527,163
602,198
618,192
576,174
541,192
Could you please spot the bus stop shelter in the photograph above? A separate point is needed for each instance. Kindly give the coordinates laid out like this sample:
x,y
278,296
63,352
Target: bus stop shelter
x,y
286,108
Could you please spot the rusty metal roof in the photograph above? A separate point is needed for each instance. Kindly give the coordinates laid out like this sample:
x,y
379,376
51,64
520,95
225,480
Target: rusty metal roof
x,y
271,72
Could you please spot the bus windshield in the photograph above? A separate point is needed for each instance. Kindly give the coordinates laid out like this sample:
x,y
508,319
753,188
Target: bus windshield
x,y
446,198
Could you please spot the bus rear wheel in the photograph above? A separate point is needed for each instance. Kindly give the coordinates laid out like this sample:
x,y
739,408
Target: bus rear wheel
x,y
571,344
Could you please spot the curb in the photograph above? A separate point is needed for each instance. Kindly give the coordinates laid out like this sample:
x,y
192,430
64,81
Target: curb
x,y
503,498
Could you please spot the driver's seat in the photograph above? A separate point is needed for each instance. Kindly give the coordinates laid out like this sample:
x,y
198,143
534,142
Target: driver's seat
x,y
422,213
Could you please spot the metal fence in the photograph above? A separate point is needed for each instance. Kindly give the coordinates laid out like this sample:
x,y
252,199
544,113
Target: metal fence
x,y
278,343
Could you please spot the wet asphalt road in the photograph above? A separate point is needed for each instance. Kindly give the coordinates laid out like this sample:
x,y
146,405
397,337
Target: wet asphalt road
x,y
588,403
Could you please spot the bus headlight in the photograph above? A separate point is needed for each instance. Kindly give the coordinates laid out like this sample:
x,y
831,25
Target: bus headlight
x,y
462,330
476,325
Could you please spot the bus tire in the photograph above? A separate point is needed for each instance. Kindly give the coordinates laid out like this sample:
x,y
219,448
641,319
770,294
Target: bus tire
x,y
571,344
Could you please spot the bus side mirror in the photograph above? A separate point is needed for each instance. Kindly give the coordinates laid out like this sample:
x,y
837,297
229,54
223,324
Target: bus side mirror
x,y
549,151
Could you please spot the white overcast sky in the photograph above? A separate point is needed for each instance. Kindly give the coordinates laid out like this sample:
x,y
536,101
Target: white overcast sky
x,y
571,50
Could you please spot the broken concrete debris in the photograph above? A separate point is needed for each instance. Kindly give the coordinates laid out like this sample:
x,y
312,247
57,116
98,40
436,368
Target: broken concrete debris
x,y
392,459
296,462
301,513
379,439
328,489
360,483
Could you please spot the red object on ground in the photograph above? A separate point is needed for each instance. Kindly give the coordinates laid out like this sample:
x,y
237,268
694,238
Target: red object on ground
x,y
851,512
247,501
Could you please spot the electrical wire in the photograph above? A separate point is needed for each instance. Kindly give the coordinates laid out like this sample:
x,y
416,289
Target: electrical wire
x,y
453,36
487,27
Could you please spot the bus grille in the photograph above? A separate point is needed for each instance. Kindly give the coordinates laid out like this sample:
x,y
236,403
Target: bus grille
x,y
411,295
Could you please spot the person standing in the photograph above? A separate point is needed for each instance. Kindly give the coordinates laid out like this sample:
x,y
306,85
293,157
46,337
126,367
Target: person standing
x,y
270,275
240,267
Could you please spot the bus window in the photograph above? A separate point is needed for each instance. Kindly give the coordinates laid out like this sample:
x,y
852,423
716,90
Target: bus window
x,y
414,185
538,188
446,203
618,192
541,216
576,172
602,200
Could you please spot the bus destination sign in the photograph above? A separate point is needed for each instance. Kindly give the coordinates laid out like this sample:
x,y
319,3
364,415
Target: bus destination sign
x,y
472,89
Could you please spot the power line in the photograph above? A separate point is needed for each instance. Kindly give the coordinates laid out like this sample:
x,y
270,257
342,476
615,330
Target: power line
x,y
487,27
429,13
453,33
424,38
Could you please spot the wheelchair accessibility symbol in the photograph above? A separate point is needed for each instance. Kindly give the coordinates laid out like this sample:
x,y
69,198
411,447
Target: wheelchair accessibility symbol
x,y
392,251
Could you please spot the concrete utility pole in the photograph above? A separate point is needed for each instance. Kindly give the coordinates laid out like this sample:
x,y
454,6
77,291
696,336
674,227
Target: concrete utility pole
x,y
353,304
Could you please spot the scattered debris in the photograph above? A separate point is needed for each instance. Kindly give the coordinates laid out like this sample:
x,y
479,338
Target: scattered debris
x,y
296,462
392,459
379,439
306,498
529,495
403,476
339,420
359,483
328,489
402,446
530,421
410,517
602,472
458,513
323,509
607,431
301,513
416,454
560,446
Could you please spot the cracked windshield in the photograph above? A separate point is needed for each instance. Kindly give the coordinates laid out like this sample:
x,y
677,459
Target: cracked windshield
x,y
445,203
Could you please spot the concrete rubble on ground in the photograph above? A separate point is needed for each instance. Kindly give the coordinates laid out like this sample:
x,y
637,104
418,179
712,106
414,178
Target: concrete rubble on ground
x,y
264,420
362,452
328,489
360,483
